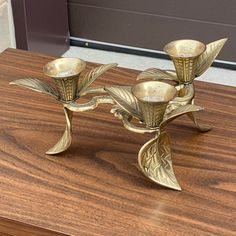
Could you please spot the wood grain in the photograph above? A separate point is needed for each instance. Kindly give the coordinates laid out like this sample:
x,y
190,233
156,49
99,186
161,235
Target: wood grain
x,y
12,228
95,188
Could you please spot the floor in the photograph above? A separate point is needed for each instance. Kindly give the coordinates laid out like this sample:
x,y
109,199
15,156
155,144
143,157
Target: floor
x,y
213,75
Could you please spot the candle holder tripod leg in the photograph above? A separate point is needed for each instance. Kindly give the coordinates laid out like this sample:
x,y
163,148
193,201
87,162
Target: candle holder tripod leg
x,y
186,96
65,141
201,127
154,159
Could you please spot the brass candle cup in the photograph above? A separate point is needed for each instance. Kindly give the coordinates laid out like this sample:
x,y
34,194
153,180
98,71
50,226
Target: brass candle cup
x,y
184,54
153,98
65,72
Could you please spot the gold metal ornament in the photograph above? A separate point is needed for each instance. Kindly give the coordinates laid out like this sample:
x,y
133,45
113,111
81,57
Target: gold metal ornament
x,y
191,59
153,103
69,87
152,97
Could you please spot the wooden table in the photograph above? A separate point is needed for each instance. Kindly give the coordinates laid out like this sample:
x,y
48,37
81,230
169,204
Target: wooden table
x,y
95,188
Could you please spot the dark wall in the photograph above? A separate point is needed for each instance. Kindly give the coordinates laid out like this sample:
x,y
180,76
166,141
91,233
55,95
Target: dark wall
x,y
152,23
41,26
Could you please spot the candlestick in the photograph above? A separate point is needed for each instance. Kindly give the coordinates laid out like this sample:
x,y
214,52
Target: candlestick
x,y
153,103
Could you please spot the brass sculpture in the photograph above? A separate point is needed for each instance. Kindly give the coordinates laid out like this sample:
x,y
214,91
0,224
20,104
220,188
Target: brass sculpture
x,y
153,103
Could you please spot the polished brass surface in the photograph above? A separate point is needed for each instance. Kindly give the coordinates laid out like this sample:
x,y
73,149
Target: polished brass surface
x,y
65,140
153,98
206,59
153,103
68,69
154,157
158,74
36,85
184,54
185,48
65,72
125,99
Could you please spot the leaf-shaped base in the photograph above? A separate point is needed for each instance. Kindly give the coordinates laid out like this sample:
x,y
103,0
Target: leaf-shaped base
x,y
155,162
65,141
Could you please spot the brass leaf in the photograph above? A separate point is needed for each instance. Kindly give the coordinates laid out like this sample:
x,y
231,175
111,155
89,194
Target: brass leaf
x,y
157,74
92,75
207,58
36,85
124,98
154,159
180,111
65,141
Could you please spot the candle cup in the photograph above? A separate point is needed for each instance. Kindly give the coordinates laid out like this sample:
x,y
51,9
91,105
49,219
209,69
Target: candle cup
x,y
153,98
184,53
65,72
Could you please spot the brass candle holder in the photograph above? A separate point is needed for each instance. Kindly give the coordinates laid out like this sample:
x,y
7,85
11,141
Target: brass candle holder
x,y
153,103
68,87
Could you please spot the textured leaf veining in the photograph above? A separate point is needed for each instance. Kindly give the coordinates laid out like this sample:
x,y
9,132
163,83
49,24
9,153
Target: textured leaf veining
x,y
180,111
36,85
155,162
207,58
126,100
92,75
157,74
